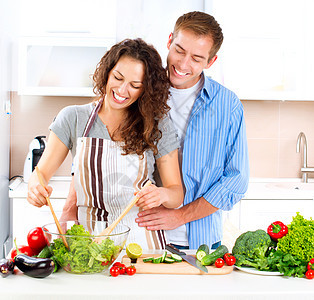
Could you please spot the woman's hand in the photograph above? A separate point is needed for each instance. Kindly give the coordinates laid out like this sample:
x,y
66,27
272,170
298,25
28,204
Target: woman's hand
x,y
37,194
151,196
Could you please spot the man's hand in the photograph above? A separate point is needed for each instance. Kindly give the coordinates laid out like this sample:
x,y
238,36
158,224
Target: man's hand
x,y
159,218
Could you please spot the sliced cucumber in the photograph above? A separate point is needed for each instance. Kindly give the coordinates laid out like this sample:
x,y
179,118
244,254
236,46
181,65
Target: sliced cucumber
x,y
176,257
157,260
148,259
202,251
169,260
163,256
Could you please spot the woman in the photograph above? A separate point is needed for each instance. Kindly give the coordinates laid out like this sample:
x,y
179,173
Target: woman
x,y
115,142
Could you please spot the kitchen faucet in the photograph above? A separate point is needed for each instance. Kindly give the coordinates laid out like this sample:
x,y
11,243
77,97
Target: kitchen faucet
x,y
305,169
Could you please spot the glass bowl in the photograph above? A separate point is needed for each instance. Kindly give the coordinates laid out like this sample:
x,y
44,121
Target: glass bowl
x,y
84,254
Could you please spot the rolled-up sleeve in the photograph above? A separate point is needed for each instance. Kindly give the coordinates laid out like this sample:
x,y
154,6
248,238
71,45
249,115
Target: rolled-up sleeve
x,y
233,183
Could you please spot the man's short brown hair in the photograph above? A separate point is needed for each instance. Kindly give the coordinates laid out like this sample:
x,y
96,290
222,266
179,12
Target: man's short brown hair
x,y
201,24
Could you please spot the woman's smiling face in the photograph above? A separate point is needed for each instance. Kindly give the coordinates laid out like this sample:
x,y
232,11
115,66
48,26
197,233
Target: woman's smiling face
x,y
125,83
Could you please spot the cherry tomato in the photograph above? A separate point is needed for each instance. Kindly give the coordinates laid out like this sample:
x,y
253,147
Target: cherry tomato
x,y
36,239
310,265
131,270
105,263
122,269
309,274
229,259
116,264
219,263
23,249
114,271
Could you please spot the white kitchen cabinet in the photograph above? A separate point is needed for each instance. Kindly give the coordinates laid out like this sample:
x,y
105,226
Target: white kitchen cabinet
x,y
267,53
27,216
72,17
59,66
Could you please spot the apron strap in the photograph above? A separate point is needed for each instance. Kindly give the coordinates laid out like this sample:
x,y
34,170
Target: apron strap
x,y
92,117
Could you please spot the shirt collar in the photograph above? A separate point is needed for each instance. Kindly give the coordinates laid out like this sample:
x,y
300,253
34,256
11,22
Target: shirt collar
x,y
206,93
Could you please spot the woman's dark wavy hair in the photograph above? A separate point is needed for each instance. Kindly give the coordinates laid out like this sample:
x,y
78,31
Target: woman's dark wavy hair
x,y
139,130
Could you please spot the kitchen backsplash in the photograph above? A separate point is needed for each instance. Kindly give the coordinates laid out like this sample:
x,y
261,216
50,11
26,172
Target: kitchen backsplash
x,y
272,131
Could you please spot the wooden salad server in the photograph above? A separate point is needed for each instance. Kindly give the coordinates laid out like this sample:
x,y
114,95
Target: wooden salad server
x,y
110,228
41,181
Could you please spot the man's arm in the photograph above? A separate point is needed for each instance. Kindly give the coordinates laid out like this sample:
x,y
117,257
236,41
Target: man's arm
x,y
223,194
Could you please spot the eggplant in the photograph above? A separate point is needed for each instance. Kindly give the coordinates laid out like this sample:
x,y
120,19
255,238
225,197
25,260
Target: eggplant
x,y
6,267
34,266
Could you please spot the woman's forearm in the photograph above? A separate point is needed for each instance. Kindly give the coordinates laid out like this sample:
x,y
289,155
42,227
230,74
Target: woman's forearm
x,y
173,195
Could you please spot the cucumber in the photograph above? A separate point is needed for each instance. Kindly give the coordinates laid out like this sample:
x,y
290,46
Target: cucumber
x,y
176,257
202,251
56,264
163,256
157,260
169,260
44,253
148,259
209,259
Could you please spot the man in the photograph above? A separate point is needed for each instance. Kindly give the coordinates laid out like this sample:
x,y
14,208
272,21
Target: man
x,y
211,127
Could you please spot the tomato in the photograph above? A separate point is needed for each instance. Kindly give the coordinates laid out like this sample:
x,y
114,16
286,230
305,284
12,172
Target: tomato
x,y
114,271
310,265
36,239
23,249
122,269
309,274
131,270
229,259
116,264
105,263
219,263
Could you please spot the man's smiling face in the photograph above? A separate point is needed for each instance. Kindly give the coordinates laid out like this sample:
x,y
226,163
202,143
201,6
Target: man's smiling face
x,y
188,56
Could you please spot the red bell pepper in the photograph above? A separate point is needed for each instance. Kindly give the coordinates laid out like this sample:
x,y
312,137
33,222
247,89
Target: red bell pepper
x,y
277,230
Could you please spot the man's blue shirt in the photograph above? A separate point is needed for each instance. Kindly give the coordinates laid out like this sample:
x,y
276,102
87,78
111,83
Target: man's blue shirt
x,y
215,158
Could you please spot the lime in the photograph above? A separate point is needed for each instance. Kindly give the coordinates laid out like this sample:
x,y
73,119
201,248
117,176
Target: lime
x,y
133,250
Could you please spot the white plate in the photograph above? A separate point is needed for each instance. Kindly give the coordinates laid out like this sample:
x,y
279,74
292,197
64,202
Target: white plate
x,y
258,272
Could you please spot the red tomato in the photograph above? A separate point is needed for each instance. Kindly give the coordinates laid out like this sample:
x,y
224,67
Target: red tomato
x,y
36,239
131,270
122,269
105,263
114,271
229,259
116,264
23,249
309,274
310,265
219,263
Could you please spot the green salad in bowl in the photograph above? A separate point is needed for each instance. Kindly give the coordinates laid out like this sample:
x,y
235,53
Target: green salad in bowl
x,y
84,254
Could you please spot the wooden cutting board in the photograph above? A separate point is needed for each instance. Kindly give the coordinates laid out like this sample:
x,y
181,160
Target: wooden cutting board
x,y
182,268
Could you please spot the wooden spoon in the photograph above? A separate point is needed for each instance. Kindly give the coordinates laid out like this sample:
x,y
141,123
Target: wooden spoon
x,y
51,209
110,228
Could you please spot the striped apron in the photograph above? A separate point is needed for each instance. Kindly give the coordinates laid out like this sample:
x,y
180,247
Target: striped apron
x,y
105,182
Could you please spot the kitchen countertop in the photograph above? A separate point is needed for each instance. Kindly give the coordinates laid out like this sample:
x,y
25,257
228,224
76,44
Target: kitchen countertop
x,y
236,285
60,186
279,188
259,188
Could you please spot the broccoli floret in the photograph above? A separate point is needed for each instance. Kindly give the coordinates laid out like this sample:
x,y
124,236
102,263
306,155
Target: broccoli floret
x,y
251,248
242,260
